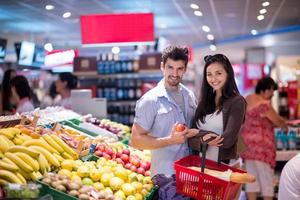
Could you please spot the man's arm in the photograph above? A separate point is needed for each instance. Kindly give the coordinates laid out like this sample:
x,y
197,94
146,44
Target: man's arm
x,y
141,139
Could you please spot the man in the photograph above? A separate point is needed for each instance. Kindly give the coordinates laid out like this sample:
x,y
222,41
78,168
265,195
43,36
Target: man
x,y
289,185
160,110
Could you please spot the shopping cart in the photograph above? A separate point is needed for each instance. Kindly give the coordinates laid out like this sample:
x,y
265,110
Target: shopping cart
x,y
201,186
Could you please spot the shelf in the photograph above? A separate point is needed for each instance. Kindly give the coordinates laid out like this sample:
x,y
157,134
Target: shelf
x,y
285,155
144,74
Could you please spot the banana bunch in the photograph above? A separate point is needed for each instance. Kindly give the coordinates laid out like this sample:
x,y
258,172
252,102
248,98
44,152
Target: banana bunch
x,y
14,135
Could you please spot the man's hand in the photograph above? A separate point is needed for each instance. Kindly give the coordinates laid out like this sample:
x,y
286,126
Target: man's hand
x,y
177,137
215,142
192,132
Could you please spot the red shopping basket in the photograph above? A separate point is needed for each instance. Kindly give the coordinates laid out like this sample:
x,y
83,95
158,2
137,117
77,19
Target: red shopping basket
x,y
202,186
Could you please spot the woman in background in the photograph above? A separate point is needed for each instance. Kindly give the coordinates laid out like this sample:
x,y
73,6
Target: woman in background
x,y
64,84
8,103
21,91
258,135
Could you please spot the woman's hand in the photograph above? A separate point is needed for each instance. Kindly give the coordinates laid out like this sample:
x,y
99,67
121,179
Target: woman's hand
x,y
217,141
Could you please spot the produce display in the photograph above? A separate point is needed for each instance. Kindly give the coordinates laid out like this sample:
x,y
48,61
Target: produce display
x,y
49,155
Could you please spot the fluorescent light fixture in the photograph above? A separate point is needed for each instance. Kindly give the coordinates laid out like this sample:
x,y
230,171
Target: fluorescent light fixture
x,y
205,28
48,47
66,15
260,17
263,11
115,50
198,13
265,4
254,32
210,37
49,7
213,47
194,6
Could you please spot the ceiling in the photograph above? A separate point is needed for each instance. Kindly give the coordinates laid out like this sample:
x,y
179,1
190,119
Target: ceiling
x,y
174,19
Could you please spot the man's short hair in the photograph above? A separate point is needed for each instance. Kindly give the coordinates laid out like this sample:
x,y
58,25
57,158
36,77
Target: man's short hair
x,y
175,53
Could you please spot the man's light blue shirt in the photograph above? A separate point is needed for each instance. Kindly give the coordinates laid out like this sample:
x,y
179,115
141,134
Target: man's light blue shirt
x,y
157,112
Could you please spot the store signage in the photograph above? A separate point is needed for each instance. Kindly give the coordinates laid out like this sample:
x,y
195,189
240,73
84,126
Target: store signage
x,y
60,58
150,61
253,72
85,64
109,29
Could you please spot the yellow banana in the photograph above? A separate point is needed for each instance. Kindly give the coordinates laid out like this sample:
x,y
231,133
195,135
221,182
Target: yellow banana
x,y
1,154
51,159
21,178
58,157
17,131
65,155
9,176
7,160
7,166
19,162
3,182
44,165
35,175
4,145
23,149
7,133
39,142
25,175
61,143
25,137
29,160
52,142
17,140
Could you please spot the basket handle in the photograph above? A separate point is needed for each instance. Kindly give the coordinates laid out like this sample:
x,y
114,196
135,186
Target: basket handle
x,y
204,146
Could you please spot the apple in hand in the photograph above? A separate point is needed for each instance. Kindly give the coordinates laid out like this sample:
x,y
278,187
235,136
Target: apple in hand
x,y
180,127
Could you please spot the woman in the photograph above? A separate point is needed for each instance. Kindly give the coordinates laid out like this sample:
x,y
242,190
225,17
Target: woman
x,y
8,104
21,91
64,84
220,112
258,135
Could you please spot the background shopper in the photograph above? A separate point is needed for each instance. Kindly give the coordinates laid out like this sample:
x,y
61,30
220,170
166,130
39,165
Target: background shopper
x,y
21,91
220,112
64,84
258,135
8,103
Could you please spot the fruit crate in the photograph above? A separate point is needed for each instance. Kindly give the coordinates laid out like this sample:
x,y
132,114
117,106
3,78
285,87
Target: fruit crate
x,y
56,195
74,125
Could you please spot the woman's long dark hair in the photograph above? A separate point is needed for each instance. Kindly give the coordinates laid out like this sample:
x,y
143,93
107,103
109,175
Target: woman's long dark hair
x,y
207,103
6,90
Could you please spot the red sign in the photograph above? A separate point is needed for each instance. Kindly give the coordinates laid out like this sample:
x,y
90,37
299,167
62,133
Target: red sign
x,y
117,28
253,72
60,58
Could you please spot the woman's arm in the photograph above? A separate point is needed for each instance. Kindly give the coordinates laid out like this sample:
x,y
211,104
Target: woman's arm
x,y
236,114
275,118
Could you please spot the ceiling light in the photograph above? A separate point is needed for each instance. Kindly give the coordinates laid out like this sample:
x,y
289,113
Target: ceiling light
x,y
198,13
263,11
265,4
66,15
260,17
205,28
194,6
48,47
49,7
254,32
213,47
115,50
210,37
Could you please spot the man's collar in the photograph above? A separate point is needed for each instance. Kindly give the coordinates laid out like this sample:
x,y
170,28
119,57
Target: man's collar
x,y
162,90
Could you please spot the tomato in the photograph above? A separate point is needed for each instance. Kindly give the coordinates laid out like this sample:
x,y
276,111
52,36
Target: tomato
x,y
179,127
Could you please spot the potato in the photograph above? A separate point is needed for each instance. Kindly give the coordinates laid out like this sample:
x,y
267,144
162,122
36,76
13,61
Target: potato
x,y
61,188
74,186
47,180
74,193
84,196
110,197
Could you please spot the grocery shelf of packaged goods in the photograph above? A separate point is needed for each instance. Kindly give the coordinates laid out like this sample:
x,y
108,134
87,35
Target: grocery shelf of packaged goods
x,y
286,155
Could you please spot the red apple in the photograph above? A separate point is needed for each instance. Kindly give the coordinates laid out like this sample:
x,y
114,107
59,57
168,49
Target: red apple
x,y
128,165
147,173
120,161
125,158
109,151
98,153
118,155
107,156
135,161
140,170
133,168
144,165
126,151
179,127
100,147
